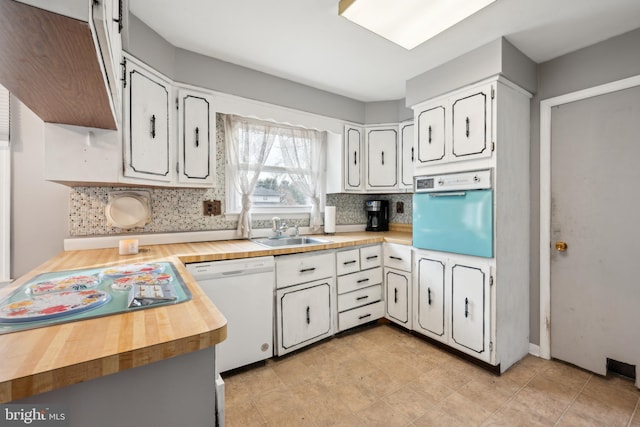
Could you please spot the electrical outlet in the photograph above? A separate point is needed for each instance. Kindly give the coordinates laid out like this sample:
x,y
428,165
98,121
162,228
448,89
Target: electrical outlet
x,y
211,207
400,207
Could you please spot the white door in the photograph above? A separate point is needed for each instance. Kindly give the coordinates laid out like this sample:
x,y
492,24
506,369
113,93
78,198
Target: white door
x,y
382,158
431,136
595,291
471,124
470,302
146,125
397,284
353,158
305,313
197,137
429,298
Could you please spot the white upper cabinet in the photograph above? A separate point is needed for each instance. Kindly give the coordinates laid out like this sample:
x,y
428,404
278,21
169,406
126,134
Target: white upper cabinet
x,y
147,124
431,134
375,159
353,158
456,127
471,125
169,132
196,137
381,145
407,155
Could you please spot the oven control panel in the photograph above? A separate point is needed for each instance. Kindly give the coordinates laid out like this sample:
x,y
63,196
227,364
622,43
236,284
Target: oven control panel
x,y
474,180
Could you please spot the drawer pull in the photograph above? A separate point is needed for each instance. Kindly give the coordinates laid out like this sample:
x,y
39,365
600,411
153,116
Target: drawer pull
x,y
349,262
466,307
364,316
372,257
363,280
308,315
395,257
395,295
429,295
361,298
306,270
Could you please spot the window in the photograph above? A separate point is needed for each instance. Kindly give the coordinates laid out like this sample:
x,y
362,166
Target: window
x,y
275,190
273,169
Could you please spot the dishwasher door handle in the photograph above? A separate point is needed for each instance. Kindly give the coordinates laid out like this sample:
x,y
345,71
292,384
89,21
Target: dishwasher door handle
x,y
234,273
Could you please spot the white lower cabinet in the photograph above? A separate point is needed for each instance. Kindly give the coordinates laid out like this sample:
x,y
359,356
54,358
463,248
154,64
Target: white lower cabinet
x,y
304,314
398,284
305,300
359,286
452,302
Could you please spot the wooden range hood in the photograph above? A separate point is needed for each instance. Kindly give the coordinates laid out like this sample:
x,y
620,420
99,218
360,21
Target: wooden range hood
x,y
51,63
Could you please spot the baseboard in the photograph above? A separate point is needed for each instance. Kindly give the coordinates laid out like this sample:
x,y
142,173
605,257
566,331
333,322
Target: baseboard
x,y
534,350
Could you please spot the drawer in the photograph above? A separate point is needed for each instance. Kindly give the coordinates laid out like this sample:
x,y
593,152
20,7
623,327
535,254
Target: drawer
x,y
302,268
347,261
359,280
370,257
360,315
360,297
397,256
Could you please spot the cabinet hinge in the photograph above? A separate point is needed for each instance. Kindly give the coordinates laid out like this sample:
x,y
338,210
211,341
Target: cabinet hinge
x,y
490,280
493,146
493,93
177,103
178,167
490,345
124,72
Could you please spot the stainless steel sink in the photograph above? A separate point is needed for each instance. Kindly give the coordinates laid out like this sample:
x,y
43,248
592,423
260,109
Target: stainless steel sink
x,y
289,241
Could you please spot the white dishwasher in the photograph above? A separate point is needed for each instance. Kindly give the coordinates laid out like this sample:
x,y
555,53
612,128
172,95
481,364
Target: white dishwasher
x,y
242,289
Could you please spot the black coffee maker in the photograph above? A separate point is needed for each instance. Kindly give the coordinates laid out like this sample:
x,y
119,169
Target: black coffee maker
x,y
377,215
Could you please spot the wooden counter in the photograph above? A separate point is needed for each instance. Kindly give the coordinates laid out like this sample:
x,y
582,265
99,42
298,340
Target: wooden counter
x,y
44,359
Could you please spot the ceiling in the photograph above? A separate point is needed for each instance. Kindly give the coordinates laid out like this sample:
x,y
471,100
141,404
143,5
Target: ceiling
x,y
307,42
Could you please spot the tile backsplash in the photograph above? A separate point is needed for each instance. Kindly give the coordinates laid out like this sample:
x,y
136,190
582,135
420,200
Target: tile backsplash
x,y
180,209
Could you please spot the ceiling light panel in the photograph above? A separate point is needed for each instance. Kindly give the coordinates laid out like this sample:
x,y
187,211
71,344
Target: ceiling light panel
x,y
409,23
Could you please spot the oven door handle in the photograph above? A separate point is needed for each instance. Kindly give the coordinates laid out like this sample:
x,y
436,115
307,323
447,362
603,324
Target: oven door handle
x,y
449,194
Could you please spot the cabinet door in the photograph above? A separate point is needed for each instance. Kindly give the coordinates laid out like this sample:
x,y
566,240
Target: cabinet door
x,y
470,309
471,124
407,155
382,158
429,298
398,285
196,138
147,126
305,314
431,136
353,137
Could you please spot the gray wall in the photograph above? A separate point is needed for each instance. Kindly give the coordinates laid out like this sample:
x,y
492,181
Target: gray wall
x,y
608,61
211,73
496,57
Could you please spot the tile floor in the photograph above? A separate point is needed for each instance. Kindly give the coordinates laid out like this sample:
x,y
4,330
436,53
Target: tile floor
x,y
383,376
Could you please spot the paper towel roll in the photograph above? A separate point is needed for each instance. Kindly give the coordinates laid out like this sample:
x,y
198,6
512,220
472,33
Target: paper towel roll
x,y
329,219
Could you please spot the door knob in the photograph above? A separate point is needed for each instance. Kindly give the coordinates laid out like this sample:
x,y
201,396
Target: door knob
x,y
561,246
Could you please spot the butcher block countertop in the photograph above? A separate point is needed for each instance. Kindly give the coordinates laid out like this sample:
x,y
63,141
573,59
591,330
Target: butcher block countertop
x,y
47,358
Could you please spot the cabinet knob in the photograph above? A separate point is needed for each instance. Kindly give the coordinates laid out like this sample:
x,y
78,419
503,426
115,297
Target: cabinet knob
x,y
561,246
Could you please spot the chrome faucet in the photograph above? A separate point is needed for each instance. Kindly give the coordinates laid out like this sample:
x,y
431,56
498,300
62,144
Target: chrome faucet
x,y
278,227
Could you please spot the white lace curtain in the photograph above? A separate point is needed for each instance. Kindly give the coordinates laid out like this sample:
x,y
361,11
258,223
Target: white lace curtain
x,y
305,153
248,143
